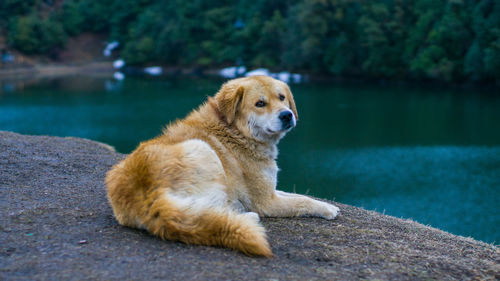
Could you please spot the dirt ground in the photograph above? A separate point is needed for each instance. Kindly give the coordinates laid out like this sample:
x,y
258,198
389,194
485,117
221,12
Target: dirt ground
x,y
55,223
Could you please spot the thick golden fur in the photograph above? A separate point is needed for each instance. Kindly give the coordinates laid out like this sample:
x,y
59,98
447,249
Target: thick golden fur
x,y
208,178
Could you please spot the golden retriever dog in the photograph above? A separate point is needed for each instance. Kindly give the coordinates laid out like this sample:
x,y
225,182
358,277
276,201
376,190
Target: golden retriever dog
x,y
209,177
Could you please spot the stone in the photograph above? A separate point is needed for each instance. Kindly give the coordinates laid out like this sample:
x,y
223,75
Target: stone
x,y
54,188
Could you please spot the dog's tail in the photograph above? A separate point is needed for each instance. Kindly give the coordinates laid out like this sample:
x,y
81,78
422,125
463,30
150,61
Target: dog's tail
x,y
207,226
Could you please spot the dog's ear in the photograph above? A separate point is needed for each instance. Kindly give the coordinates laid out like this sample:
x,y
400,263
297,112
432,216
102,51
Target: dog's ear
x,y
291,103
228,100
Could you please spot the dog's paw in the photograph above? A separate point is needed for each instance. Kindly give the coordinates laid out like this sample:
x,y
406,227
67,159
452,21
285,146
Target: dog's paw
x,y
253,216
330,211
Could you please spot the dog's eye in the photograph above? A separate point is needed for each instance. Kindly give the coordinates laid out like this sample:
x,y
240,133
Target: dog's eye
x,y
282,97
260,103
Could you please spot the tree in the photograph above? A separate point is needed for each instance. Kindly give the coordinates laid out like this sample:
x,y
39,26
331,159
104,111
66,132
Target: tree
x,y
446,40
33,35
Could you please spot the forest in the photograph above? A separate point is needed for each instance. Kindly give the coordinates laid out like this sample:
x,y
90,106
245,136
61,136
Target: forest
x,y
442,40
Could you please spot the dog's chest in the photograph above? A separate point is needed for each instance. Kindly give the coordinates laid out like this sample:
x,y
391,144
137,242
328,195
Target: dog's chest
x,y
270,174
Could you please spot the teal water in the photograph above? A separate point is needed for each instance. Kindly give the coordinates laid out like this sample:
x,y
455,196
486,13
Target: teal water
x,y
429,154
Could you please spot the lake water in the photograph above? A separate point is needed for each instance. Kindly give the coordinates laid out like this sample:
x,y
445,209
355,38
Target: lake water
x,y
429,154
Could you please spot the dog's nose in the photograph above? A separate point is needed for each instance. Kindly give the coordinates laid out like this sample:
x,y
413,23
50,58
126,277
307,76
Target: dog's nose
x,y
286,116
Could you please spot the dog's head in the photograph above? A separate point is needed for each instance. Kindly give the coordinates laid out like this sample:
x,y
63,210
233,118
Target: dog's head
x,y
260,107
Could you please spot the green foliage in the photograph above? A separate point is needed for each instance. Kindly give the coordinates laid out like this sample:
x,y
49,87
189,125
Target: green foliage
x,y
448,40
473,64
139,51
269,42
13,8
33,35
72,18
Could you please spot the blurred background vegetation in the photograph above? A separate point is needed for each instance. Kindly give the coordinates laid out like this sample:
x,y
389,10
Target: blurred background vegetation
x,y
444,40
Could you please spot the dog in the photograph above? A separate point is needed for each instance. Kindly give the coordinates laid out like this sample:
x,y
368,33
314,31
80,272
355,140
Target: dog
x,y
207,179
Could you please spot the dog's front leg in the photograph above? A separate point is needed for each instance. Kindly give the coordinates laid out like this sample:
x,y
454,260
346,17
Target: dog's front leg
x,y
283,204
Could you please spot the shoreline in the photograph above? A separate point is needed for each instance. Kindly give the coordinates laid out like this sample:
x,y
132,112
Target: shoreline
x,y
106,69
56,70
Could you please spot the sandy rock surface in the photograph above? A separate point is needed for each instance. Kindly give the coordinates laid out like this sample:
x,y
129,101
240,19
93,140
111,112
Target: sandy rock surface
x,y
55,223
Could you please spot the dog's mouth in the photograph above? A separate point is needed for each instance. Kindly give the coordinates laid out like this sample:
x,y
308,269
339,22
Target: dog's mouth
x,y
287,127
282,130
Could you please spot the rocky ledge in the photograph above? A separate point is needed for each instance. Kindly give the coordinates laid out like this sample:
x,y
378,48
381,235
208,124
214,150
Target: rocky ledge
x,y
55,223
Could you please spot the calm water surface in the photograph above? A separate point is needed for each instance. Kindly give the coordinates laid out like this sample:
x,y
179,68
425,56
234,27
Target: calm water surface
x,y
432,155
